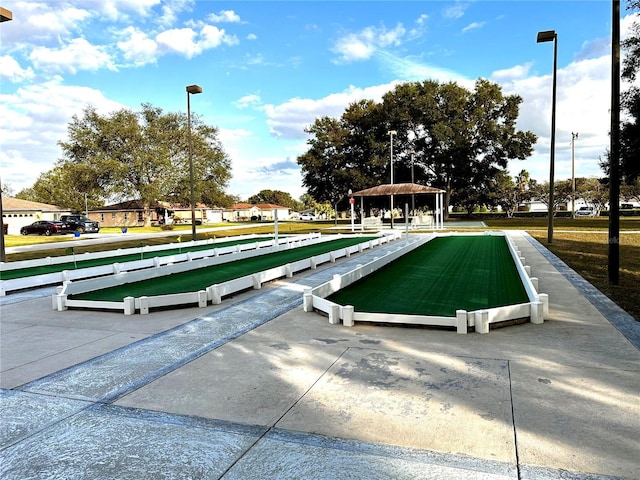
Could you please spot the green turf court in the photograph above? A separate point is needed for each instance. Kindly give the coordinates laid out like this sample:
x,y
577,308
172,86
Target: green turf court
x,y
200,279
444,275
130,257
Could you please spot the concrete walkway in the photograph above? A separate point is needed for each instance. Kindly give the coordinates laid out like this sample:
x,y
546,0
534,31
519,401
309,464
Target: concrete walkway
x,y
255,388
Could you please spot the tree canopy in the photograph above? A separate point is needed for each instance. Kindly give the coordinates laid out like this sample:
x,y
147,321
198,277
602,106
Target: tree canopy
x,y
276,197
446,136
630,129
139,155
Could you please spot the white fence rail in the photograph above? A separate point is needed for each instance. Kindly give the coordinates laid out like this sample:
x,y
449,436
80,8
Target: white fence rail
x,y
536,309
212,294
35,281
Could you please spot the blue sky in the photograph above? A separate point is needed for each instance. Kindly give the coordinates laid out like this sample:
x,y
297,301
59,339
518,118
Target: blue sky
x,y
269,68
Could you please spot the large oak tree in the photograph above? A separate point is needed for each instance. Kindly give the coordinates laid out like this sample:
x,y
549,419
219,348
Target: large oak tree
x,y
144,155
452,138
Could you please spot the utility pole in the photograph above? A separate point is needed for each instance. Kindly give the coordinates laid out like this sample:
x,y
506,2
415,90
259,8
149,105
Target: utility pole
x,y
573,175
5,16
614,157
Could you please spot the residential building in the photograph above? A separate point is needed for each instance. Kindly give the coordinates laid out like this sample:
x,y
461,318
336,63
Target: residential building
x,y
243,212
17,213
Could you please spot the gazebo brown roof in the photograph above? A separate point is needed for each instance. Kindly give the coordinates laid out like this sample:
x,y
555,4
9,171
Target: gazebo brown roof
x,y
396,189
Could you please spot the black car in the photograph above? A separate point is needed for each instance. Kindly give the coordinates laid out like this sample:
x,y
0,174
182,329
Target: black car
x,y
46,227
81,223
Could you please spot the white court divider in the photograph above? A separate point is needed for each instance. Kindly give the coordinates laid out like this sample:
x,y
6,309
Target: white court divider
x,y
213,293
4,267
82,286
33,281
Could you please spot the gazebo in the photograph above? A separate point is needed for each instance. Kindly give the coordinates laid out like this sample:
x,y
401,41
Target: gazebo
x,y
406,189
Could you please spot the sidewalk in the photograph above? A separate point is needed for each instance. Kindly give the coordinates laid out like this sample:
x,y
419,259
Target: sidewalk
x,y
255,388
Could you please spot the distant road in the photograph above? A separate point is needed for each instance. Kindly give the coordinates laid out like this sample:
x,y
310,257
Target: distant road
x,y
103,238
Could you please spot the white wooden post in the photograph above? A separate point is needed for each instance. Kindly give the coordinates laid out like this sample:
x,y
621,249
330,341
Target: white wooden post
x,y
482,321
129,305
334,314
461,321
347,315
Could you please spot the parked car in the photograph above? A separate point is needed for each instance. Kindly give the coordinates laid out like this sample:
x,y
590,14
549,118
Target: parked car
x,y
586,212
46,227
307,216
81,223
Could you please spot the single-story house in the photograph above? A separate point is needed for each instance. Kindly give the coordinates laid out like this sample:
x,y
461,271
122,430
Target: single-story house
x,y
242,212
17,213
131,214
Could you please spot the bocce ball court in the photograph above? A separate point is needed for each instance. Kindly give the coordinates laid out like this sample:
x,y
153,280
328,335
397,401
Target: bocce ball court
x,y
444,275
201,278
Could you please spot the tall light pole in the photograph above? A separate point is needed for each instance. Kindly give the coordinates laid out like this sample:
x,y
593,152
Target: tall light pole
x,y
391,134
5,16
573,174
191,90
551,36
613,261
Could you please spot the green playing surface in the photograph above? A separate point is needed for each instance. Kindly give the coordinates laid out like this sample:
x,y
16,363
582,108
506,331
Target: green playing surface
x,y
200,279
444,275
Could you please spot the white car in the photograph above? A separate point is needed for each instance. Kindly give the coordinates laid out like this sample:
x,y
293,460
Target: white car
x,y
586,212
307,216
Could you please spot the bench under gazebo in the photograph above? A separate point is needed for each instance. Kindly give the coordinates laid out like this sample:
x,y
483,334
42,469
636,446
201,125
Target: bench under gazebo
x,y
391,190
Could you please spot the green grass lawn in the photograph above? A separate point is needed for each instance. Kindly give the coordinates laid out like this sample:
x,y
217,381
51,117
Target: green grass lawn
x,y
442,276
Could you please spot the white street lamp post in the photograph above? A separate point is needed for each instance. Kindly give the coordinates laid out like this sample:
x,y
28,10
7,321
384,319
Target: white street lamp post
x,y
351,202
391,134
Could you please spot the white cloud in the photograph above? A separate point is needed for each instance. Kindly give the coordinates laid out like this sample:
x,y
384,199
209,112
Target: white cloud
x,y
38,21
583,102
170,11
414,69
455,11
187,42
289,119
138,48
363,44
116,9
180,40
249,101
422,19
78,54
510,74
473,26
11,71
224,16
37,117
213,37
234,135
594,48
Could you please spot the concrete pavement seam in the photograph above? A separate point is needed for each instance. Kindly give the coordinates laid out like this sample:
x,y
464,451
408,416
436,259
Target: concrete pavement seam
x,y
513,420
